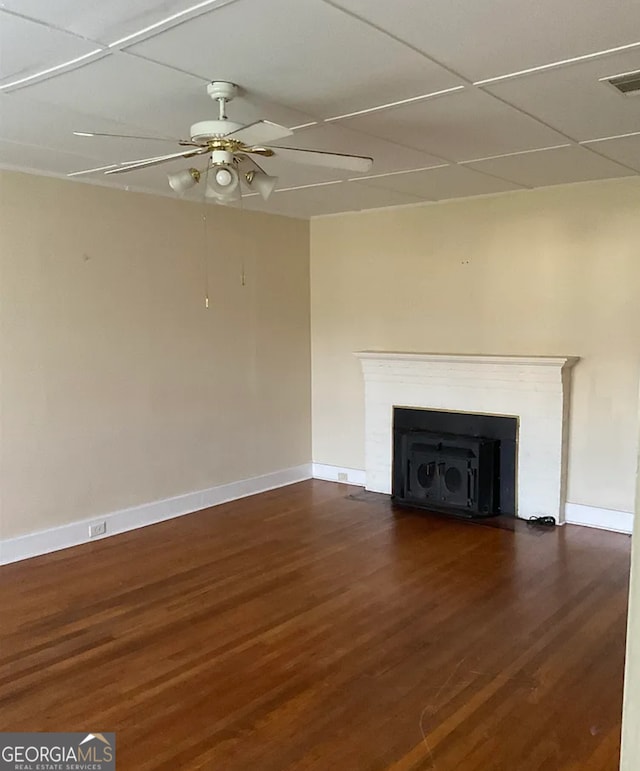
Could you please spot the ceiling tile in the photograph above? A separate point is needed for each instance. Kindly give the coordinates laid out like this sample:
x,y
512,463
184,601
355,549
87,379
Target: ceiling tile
x,y
490,38
40,158
32,122
625,150
574,101
103,21
301,61
329,199
445,182
308,55
27,47
552,167
461,126
294,174
387,156
129,90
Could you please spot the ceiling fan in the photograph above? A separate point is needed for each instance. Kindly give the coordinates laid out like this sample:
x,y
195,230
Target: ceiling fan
x,y
228,146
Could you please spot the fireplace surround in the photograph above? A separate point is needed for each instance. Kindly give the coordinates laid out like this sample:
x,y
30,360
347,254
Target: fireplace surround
x,y
533,389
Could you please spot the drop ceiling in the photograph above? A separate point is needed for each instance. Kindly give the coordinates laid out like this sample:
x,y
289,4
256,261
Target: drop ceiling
x,y
494,95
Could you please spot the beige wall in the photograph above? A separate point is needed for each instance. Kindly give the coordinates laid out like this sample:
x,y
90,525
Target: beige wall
x,y
549,271
118,387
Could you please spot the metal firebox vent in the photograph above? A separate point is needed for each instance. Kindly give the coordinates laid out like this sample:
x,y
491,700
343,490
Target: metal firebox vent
x,y
627,84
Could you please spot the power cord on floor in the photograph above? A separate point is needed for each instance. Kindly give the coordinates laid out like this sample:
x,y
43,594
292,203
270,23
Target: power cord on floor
x,y
544,521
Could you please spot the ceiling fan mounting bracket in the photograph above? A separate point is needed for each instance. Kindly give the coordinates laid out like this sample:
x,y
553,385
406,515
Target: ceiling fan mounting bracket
x,y
222,89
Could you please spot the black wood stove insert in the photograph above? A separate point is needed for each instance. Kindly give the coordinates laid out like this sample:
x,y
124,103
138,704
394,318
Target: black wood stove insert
x,y
460,463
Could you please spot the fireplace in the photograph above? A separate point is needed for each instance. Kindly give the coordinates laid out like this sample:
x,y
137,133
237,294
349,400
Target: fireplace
x,y
460,463
533,390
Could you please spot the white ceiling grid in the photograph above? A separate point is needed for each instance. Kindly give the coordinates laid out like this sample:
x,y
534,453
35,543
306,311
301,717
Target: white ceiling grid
x,y
141,67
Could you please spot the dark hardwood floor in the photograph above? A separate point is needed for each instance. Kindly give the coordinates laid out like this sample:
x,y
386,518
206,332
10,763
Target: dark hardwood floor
x,y
307,629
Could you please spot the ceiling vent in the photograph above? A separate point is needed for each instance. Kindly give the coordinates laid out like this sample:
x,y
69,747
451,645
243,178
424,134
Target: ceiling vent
x,y
627,84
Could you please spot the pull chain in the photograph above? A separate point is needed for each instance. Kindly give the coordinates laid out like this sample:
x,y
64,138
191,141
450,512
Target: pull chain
x,y
206,260
205,251
243,273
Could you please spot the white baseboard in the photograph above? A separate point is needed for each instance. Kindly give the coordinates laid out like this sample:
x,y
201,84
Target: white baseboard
x,y
605,519
575,513
45,541
75,533
354,476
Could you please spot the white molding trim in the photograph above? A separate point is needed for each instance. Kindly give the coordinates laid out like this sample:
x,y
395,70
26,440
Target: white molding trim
x,y
604,519
470,358
354,476
45,541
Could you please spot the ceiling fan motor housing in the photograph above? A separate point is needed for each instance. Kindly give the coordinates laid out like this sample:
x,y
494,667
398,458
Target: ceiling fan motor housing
x,y
213,129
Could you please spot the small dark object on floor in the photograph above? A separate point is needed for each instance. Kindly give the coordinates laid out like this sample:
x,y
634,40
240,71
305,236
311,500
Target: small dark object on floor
x,y
542,521
368,497
536,526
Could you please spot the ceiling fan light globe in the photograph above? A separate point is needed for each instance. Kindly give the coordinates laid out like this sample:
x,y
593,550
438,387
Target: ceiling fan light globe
x,y
181,181
223,183
262,183
224,177
224,199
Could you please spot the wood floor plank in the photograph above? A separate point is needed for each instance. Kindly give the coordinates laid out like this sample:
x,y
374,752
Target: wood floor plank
x,y
319,627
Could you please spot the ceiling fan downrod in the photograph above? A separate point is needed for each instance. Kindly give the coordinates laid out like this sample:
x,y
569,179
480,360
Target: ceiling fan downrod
x,y
222,91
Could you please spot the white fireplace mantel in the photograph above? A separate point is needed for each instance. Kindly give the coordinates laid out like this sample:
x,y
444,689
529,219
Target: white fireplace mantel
x,y
535,389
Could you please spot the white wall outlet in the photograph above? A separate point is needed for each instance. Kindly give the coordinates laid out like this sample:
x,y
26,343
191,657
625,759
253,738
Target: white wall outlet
x,y
343,476
100,528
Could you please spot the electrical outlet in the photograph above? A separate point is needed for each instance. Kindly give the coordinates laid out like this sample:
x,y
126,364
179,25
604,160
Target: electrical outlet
x,y
100,528
343,476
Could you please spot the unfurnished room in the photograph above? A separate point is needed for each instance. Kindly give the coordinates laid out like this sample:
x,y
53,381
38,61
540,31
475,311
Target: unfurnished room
x,y
319,385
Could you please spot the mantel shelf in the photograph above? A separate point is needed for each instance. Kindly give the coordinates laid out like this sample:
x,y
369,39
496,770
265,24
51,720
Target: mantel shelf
x,y
470,358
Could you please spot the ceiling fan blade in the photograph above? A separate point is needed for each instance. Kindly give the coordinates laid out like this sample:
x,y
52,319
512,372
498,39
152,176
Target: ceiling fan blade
x,y
145,162
132,136
319,158
91,171
259,133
